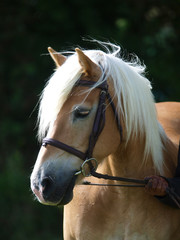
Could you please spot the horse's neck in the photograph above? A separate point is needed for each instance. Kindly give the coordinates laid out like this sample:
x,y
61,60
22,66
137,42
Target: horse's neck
x,y
128,161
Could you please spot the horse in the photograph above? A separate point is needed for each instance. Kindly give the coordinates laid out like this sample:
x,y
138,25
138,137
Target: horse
x,y
97,114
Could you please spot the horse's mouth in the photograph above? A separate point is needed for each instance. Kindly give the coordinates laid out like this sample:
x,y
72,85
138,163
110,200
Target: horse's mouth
x,y
61,195
68,193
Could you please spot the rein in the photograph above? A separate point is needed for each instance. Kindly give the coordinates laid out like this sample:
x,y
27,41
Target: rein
x,y
141,183
89,166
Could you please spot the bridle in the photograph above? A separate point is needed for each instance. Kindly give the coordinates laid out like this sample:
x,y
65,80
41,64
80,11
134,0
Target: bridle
x,y
89,166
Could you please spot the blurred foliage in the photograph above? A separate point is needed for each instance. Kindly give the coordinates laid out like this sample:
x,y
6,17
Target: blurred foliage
x,y
148,28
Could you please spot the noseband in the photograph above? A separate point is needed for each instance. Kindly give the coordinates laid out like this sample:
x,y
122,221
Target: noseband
x,y
90,164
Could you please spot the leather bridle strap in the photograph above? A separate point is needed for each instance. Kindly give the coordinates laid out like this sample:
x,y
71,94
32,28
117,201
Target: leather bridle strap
x,y
99,123
115,178
63,146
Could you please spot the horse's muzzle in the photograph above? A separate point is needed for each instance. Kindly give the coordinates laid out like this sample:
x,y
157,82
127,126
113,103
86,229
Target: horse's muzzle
x,y
53,188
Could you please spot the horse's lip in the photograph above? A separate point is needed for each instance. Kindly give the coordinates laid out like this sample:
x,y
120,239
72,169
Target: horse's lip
x,y
67,196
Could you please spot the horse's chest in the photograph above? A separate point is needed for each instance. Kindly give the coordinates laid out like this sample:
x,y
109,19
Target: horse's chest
x,y
92,221
93,226
88,218
103,217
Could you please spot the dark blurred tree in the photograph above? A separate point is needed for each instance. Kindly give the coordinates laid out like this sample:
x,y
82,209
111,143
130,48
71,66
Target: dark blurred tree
x,y
148,28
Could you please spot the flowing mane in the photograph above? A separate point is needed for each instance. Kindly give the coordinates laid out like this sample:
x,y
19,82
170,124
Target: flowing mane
x,y
132,90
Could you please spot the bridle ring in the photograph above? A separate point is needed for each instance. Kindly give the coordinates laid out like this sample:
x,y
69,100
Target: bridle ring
x,y
87,167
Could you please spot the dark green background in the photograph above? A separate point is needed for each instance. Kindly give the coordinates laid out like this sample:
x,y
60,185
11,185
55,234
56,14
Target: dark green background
x,y
148,28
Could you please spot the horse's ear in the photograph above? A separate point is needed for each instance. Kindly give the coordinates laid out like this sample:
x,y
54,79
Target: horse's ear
x,y
57,57
88,66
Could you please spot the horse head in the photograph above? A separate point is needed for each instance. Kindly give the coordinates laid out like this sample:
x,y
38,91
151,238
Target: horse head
x,y
67,115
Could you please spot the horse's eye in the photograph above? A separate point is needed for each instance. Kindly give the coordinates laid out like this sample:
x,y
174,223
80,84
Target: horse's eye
x,y
80,112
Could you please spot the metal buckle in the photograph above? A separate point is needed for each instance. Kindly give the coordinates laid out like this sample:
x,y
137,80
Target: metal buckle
x,y
86,168
103,92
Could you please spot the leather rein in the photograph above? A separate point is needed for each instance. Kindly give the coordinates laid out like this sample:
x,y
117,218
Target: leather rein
x,y
89,166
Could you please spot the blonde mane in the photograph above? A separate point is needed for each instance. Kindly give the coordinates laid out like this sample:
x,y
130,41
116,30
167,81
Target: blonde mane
x,y
135,101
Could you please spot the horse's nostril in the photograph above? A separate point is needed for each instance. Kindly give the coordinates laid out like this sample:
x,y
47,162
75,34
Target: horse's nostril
x,y
47,186
46,182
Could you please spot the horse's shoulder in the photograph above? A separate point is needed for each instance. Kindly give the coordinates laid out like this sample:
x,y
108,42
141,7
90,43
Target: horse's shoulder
x,y
169,117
